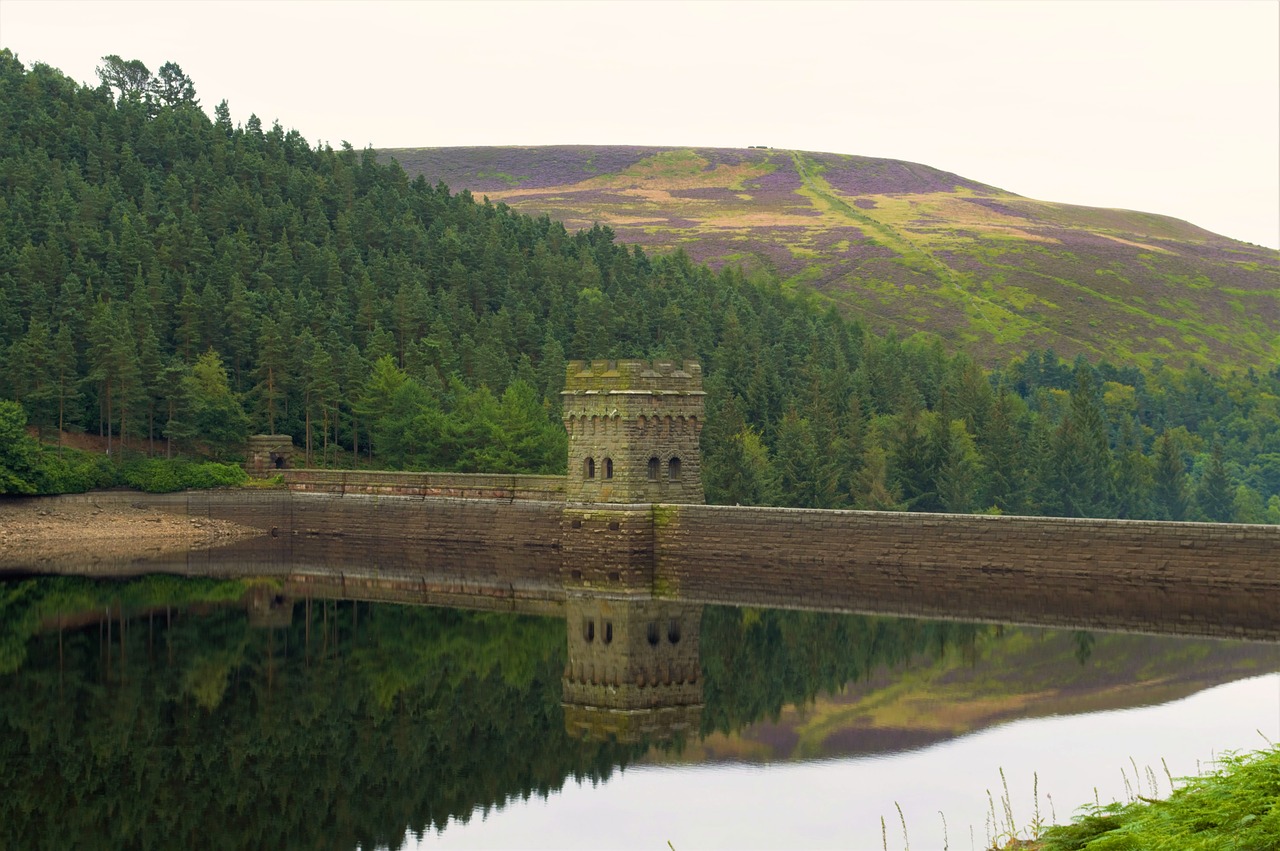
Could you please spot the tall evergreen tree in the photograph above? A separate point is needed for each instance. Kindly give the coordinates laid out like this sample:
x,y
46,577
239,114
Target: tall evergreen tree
x,y
1081,452
1215,495
1170,480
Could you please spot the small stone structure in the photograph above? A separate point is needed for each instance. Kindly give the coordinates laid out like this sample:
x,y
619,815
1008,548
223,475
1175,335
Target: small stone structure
x,y
633,431
268,453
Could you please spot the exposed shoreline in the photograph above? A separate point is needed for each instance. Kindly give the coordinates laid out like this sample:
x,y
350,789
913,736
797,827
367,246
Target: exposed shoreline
x,y
37,530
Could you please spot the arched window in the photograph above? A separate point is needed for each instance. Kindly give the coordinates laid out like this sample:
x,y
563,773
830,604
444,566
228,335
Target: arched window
x,y
589,468
608,632
654,464
673,469
653,634
608,468
673,631
589,630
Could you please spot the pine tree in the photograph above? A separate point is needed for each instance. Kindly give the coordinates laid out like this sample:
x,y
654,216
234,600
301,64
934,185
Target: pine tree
x,y
1215,496
1000,447
1082,454
273,371
217,415
960,477
802,479
30,374
1170,480
1133,474
64,371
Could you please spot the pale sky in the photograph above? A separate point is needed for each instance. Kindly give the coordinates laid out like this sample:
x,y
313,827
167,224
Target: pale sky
x,y
1161,106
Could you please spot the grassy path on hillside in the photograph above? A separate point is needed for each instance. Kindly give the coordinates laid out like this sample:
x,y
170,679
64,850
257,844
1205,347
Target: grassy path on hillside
x,y
919,258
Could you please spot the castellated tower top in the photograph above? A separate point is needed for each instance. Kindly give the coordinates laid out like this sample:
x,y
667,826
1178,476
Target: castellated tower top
x,y
622,376
633,431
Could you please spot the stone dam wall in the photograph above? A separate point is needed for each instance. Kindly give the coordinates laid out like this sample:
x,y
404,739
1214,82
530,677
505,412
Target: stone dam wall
x,y
1187,578
498,486
1201,578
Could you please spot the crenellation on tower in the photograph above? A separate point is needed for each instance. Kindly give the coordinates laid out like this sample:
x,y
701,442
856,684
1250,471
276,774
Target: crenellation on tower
x,y
621,376
634,429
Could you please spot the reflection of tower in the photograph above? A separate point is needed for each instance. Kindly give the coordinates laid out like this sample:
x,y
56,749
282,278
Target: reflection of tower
x,y
633,431
633,671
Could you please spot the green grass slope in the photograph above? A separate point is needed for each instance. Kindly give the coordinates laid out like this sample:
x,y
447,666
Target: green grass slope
x,y
908,247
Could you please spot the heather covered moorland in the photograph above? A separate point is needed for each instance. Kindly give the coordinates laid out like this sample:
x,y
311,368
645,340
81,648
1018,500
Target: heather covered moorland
x,y
907,247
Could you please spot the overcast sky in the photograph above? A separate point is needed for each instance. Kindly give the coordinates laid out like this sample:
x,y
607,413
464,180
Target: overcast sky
x,y
1167,107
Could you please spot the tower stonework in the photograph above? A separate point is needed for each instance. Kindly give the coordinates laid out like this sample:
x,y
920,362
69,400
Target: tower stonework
x,y
633,431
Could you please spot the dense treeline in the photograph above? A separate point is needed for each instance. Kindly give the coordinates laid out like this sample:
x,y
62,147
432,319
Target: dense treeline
x,y
173,282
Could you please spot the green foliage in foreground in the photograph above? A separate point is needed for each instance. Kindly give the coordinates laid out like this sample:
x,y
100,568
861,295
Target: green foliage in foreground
x,y
27,468
158,475
1235,807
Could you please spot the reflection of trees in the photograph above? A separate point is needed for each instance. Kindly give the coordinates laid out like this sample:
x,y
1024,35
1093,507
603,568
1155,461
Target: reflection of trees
x,y
757,661
355,724
348,722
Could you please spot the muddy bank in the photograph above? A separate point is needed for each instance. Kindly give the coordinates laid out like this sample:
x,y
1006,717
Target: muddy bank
x,y
106,527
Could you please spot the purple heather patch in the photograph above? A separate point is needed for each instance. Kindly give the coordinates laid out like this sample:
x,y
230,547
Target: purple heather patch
x,y
864,203
853,175
1221,252
782,180
997,207
482,169
710,193
730,156
1125,272
714,250
602,197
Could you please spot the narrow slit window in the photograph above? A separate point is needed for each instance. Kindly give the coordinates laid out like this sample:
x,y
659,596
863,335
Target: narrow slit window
x,y
589,468
608,468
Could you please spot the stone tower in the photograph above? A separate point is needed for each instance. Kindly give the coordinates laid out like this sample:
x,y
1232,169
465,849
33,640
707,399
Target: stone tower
x,y
633,671
633,431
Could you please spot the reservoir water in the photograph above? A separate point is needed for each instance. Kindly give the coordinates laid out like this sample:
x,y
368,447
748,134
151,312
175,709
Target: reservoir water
x,y
244,713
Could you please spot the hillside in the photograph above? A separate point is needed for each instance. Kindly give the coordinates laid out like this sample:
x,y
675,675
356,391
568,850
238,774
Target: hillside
x,y
908,247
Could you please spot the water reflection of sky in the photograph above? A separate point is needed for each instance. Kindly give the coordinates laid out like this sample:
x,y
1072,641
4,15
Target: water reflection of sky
x,y
839,803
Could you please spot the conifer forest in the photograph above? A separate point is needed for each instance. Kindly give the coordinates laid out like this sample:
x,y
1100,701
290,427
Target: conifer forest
x,y
171,283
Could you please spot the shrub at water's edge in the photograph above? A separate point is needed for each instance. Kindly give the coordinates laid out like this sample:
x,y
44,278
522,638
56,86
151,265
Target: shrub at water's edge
x,y
160,475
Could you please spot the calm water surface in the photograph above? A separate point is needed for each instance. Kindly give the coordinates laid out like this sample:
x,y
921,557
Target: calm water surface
x,y
169,712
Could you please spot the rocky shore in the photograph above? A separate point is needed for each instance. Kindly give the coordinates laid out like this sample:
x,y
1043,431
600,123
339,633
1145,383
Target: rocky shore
x,y
38,531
